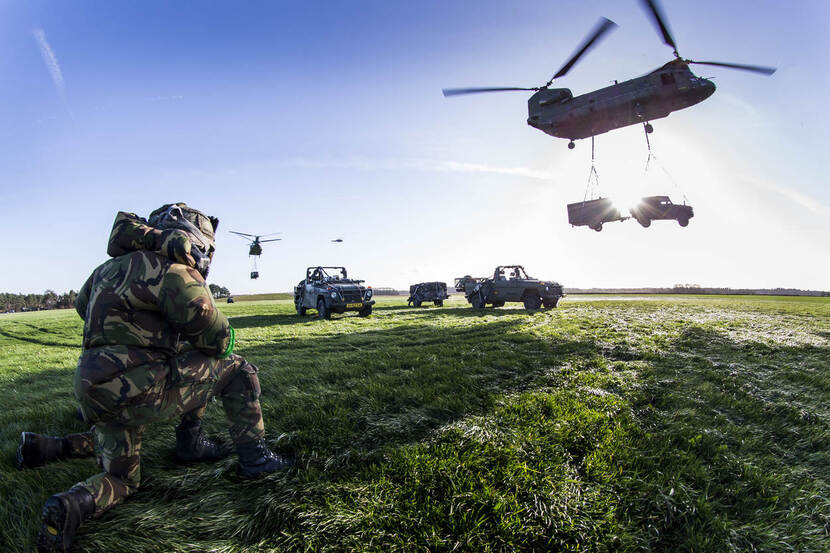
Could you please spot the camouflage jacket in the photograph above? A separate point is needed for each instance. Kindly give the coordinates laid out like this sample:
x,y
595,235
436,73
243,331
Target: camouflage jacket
x,y
137,306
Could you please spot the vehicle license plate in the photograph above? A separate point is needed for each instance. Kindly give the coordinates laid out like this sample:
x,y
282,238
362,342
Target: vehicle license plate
x,y
350,305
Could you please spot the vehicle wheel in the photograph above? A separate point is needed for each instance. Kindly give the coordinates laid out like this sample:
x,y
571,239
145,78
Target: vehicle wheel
x,y
550,304
498,304
644,222
683,222
323,311
300,309
477,301
533,302
439,303
649,128
366,311
416,303
597,227
571,145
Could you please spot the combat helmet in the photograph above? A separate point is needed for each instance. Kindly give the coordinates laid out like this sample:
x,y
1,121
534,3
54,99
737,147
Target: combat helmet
x,y
200,228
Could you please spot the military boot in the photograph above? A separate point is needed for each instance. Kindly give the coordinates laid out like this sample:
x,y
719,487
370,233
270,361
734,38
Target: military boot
x,y
255,458
63,514
36,450
192,446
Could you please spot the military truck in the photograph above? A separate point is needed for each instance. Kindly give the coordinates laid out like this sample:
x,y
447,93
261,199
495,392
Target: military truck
x,y
653,208
509,283
330,290
436,292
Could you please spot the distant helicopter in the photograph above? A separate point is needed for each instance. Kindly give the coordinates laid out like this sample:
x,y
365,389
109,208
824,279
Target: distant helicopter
x,y
337,240
255,249
672,87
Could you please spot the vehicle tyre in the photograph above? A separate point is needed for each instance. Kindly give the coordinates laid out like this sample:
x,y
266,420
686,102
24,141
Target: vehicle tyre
x,y
683,222
300,309
498,304
322,310
439,303
597,227
550,304
532,302
478,301
416,303
366,311
649,128
645,222
571,145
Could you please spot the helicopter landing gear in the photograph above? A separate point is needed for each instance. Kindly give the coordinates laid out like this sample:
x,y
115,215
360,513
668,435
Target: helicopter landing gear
x,y
571,145
649,129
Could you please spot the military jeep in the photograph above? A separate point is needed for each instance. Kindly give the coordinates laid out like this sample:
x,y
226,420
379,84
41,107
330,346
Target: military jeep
x,y
509,283
653,208
436,292
330,290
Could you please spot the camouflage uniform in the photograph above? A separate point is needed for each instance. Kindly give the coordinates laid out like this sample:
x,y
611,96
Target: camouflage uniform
x,y
136,308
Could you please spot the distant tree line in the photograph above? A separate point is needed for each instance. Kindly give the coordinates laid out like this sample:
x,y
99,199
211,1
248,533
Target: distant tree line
x,y
14,303
219,291
34,302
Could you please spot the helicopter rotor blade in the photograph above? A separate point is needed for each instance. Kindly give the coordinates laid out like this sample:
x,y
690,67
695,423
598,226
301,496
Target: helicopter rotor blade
x,y
271,240
457,91
653,7
603,26
753,68
267,235
242,234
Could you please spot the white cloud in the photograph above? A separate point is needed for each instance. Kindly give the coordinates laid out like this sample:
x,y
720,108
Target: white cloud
x,y
51,62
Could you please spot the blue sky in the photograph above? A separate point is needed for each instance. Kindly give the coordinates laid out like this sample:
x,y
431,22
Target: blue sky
x,y
326,119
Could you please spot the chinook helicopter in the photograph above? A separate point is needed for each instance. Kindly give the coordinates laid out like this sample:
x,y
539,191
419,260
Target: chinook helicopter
x,y
557,112
255,249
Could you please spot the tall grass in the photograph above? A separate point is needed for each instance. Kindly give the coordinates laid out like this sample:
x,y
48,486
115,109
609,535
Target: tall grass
x,y
668,424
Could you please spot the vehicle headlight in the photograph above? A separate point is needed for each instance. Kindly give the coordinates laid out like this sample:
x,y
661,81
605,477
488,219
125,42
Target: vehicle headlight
x,y
334,294
369,293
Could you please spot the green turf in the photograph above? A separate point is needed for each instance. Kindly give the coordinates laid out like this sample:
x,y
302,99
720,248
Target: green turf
x,y
259,297
674,423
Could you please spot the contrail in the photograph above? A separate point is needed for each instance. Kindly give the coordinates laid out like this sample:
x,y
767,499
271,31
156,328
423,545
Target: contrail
x,y
51,62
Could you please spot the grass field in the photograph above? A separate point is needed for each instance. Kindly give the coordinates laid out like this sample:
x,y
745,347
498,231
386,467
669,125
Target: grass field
x,y
660,424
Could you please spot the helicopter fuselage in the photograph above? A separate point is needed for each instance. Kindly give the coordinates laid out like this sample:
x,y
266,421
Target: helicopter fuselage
x,y
672,87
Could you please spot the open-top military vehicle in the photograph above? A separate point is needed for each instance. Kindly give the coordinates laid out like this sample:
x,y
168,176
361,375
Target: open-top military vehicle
x,y
330,290
435,292
509,283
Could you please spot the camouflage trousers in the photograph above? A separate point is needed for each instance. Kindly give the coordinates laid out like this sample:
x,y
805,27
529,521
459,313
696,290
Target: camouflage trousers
x,y
81,444
194,379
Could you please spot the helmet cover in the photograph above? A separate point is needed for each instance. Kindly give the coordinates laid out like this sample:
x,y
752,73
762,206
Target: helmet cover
x,y
199,227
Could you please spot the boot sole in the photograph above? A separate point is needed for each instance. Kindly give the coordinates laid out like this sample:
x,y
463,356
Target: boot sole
x,y
260,470
19,461
50,538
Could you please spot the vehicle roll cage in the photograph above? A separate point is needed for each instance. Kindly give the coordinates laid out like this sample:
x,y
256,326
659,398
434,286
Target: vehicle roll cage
x,y
518,271
320,273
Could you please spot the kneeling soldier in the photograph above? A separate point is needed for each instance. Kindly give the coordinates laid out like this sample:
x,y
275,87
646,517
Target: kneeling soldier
x,y
131,372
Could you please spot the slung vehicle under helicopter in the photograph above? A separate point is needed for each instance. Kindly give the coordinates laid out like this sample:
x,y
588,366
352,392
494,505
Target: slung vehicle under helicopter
x,y
557,112
255,247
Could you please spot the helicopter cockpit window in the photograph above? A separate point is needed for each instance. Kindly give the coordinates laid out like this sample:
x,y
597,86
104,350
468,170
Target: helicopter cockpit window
x,y
667,78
